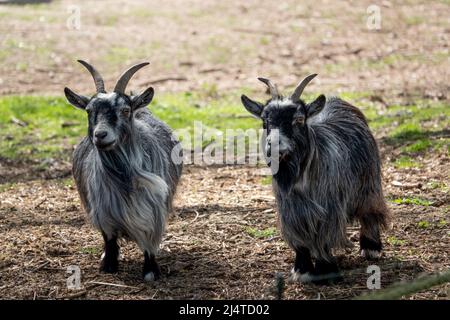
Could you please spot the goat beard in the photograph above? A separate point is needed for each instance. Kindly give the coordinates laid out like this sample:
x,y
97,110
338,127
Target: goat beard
x,y
288,172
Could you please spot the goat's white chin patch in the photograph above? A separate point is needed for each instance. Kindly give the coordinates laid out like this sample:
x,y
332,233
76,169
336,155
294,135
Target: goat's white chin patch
x,y
300,277
370,254
149,277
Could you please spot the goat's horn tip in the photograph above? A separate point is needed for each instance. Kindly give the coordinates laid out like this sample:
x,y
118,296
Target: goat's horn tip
x,y
143,64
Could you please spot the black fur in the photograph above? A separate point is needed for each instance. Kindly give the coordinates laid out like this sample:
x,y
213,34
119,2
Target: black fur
x,y
110,262
303,262
150,265
329,174
367,243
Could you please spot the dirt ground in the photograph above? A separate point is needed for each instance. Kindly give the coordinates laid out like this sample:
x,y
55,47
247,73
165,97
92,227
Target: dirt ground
x,y
207,251
195,43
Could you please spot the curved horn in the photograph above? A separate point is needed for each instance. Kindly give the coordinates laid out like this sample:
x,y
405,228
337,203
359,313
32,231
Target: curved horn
x,y
99,84
301,86
272,87
126,76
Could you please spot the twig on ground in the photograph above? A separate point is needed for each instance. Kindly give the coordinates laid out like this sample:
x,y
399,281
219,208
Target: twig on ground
x,y
111,284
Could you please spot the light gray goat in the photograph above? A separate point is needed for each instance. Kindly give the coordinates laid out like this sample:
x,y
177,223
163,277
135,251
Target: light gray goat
x,y
124,170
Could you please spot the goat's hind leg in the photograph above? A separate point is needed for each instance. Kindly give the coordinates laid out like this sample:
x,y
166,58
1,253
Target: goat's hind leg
x,y
370,242
110,257
151,270
303,266
369,238
373,216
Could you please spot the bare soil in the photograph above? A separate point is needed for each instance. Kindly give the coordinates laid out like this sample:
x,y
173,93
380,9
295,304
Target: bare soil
x,y
197,43
207,251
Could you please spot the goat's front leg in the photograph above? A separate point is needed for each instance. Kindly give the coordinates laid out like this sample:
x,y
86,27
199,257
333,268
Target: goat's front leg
x,y
303,266
110,257
151,271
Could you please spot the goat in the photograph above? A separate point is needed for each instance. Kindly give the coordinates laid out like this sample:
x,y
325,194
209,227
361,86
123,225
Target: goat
x,y
328,174
124,170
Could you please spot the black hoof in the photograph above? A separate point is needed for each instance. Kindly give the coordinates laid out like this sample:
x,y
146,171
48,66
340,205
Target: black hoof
x,y
326,273
151,271
366,243
109,266
110,260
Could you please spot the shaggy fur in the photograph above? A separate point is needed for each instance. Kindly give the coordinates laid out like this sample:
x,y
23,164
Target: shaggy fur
x,y
329,175
125,173
128,191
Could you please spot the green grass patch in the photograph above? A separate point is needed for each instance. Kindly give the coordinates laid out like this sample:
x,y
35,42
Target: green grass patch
x,y
407,131
423,224
419,146
406,162
267,180
38,128
6,186
408,124
91,250
442,223
412,201
256,233
440,185
392,240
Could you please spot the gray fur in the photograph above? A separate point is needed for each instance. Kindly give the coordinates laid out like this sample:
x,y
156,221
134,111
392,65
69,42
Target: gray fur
x,y
331,176
124,169
136,208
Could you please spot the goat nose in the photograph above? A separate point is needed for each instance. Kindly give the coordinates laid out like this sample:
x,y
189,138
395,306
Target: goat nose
x,y
101,134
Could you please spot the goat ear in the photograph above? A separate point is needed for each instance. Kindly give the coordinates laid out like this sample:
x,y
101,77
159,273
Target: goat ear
x,y
316,106
255,108
76,100
143,99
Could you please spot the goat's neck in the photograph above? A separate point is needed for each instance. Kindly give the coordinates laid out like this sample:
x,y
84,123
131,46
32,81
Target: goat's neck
x,y
122,162
307,165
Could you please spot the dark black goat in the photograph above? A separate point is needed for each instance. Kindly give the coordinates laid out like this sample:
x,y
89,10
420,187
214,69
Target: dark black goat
x,y
328,173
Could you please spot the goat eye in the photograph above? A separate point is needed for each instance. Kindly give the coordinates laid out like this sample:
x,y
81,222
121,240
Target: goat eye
x,y
299,121
125,112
